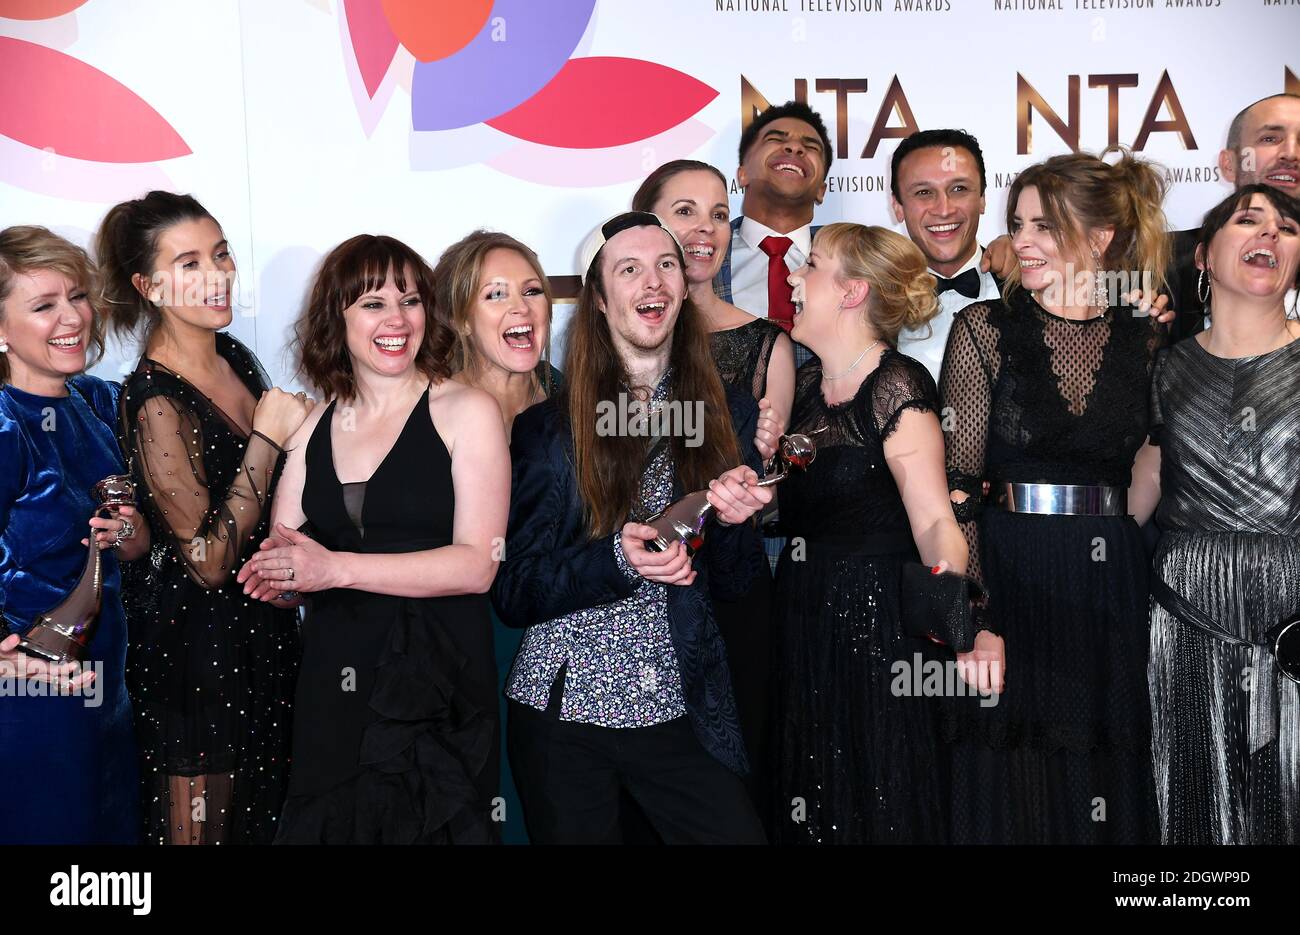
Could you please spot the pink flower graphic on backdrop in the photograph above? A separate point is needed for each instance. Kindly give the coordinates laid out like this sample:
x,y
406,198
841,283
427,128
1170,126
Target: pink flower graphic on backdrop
x,y
63,111
507,65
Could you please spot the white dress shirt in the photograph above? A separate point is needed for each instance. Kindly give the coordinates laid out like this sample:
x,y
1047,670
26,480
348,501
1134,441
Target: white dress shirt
x,y
749,263
928,342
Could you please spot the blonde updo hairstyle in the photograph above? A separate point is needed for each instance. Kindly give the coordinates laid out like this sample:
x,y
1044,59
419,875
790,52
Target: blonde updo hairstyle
x,y
27,248
902,289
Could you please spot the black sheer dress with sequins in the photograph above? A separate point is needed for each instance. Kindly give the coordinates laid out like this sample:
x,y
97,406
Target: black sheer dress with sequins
x,y
210,672
1064,756
742,356
855,757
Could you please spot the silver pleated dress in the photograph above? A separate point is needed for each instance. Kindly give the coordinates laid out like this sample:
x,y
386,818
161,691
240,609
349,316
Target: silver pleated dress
x,y
1226,724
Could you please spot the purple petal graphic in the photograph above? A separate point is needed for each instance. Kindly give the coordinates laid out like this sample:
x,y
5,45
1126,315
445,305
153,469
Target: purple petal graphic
x,y
522,47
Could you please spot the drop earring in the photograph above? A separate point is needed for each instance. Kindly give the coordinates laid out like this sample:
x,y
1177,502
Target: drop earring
x,y
1100,294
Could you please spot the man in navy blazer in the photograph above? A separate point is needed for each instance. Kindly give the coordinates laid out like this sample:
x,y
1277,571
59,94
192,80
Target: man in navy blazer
x,y
621,684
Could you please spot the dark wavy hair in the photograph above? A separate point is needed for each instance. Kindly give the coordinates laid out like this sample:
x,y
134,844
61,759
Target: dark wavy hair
x,y
1217,218
127,243
359,265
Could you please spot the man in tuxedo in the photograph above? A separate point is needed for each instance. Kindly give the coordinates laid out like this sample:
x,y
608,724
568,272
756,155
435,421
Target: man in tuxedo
x,y
937,186
785,155
621,685
1263,147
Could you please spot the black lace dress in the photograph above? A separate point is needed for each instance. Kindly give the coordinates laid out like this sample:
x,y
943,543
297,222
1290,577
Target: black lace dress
x,y
1065,754
742,355
856,761
396,730
211,673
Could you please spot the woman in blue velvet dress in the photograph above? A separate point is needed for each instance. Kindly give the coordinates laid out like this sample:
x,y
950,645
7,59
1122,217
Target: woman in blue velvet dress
x,y
67,750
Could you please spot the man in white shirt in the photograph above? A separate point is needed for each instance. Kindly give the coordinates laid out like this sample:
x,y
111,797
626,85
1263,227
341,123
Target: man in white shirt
x,y
785,155
937,187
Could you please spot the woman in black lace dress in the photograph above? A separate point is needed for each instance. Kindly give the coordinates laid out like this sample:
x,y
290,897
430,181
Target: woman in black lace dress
x,y
1047,401
856,759
403,483
1224,464
211,674
755,356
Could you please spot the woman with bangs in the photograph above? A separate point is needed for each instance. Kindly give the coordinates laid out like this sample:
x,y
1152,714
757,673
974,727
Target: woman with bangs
x,y
67,750
387,524
1223,465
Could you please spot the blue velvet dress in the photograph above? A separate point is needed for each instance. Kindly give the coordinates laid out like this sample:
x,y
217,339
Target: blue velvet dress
x,y
68,770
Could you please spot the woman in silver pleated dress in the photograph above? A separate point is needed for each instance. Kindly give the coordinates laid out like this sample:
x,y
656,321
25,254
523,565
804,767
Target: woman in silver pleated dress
x,y
1224,467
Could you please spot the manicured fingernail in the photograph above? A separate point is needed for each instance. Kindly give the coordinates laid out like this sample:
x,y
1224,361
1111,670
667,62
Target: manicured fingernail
x,y
935,570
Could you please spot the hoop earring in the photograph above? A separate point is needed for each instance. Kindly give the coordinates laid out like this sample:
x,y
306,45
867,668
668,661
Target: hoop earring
x,y
1203,288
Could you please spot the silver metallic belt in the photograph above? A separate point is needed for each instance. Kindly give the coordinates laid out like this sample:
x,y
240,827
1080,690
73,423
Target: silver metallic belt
x,y
1063,499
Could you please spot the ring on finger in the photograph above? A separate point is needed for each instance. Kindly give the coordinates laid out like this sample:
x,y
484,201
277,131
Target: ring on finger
x,y
127,531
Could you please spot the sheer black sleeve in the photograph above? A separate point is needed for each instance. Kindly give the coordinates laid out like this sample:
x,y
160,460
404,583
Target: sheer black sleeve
x,y
970,366
165,440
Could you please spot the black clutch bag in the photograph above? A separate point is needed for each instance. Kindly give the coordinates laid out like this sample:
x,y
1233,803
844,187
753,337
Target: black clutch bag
x,y
938,607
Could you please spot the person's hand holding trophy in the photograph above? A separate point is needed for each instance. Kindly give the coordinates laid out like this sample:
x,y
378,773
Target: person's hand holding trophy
x,y
62,635
661,548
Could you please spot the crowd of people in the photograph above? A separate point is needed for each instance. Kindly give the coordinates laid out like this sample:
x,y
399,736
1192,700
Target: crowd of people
x,y
1087,421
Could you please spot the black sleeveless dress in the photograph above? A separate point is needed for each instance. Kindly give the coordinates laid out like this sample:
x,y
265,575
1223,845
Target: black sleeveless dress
x,y
396,729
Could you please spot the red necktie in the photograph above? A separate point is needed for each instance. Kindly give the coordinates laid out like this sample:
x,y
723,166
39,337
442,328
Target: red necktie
x,y
780,306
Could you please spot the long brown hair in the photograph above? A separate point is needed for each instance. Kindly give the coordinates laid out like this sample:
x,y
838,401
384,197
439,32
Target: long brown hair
x,y
27,248
1080,192
353,268
456,279
609,467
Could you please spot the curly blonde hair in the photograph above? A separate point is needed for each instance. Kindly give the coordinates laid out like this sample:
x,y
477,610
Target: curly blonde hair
x,y
902,289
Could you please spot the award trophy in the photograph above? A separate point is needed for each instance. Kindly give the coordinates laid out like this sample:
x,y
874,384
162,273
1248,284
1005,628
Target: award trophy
x,y
684,520
63,634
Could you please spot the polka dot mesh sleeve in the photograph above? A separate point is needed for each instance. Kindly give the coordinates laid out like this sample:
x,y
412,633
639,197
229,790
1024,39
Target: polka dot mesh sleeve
x,y
210,527
966,388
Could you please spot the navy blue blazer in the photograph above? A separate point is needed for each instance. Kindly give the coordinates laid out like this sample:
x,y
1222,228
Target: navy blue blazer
x,y
552,567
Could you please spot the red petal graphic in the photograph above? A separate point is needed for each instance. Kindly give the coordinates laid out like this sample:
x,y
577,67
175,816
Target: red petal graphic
x,y
598,102
373,42
56,101
37,9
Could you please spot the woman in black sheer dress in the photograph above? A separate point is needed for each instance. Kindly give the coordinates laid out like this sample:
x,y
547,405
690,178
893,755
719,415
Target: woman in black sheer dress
x,y
403,483
211,674
1047,395
1224,464
755,356
856,759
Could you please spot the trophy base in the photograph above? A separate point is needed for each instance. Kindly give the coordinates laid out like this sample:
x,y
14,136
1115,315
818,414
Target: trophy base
x,y
51,645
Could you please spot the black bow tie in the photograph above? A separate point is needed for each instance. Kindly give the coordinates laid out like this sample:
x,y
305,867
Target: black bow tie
x,y
967,283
